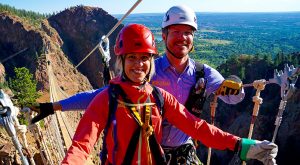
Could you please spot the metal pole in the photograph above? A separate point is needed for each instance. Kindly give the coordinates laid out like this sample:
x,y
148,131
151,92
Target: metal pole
x,y
259,85
288,78
213,107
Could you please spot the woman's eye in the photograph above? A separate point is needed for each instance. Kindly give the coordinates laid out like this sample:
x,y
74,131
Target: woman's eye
x,y
131,57
145,58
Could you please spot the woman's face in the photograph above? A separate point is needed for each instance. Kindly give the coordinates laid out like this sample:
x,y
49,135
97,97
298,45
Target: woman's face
x,y
137,66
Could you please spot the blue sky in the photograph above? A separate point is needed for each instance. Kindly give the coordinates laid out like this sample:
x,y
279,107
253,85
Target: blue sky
x,y
159,6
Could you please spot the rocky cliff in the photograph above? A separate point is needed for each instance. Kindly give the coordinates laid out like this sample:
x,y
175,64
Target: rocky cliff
x,y
81,28
62,41
17,35
236,118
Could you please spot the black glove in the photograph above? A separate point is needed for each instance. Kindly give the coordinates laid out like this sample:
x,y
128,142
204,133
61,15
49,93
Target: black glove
x,y
230,86
43,110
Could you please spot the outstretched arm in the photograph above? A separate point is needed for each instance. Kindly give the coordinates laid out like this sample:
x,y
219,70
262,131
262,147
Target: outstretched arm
x,y
88,130
78,101
215,81
214,137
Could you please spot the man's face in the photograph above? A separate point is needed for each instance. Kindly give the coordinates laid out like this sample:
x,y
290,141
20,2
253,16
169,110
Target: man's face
x,y
179,39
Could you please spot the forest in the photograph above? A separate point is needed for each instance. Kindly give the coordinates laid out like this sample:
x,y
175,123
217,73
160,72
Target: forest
x,y
222,35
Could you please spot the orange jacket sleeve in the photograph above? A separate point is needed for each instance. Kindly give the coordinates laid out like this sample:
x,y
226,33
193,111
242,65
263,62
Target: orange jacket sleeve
x,y
88,130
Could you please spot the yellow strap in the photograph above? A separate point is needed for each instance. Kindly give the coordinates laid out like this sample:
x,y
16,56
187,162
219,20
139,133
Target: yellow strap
x,y
147,129
137,115
134,105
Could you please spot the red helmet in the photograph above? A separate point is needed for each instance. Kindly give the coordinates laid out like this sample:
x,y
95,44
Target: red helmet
x,y
135,38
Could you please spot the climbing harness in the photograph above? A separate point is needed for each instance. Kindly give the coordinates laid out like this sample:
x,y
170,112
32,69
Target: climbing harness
x,y
144,129
7,118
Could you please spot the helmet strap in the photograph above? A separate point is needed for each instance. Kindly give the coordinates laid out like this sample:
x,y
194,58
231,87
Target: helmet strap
x,y
147,78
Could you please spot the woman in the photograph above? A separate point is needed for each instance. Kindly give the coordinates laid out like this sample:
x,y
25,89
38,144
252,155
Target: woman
x,y
135,130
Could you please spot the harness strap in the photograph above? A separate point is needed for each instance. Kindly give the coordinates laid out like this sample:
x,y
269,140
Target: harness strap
x,y
145,127
154,145
155,148
132,144
134,105
197,97
159,100
114,92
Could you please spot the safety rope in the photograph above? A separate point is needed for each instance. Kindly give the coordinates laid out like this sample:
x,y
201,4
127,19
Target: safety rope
x,y
105,37
9,120
11,56
36,131
22,129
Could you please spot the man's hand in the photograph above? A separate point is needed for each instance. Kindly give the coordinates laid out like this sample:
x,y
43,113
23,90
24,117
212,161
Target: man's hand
x,y
230,86
43,110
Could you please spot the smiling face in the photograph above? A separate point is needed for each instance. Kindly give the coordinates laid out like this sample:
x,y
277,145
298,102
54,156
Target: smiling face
x,y
179,39
137,66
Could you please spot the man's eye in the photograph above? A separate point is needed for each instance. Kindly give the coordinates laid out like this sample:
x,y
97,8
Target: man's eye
x,y
188,33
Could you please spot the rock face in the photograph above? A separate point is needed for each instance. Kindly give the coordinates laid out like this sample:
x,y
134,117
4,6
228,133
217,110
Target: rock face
x,y
38,43
63,41
66,38
16,35
81,28
236,118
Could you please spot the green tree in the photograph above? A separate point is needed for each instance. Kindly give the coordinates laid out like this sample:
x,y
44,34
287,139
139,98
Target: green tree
x,y
24,87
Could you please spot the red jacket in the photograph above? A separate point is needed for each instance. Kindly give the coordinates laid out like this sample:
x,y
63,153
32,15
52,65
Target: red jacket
x,y
96,116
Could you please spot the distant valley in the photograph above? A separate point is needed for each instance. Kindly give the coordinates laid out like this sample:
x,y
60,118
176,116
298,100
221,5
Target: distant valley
x,y
222,35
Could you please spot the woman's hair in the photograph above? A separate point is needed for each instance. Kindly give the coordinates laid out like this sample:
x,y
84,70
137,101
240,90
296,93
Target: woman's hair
x,y
120,65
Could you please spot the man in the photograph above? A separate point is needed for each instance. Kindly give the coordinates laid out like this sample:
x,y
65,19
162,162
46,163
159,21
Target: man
x,y
176,73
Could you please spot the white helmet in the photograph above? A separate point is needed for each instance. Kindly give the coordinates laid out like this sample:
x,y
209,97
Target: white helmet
x,y
180,15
